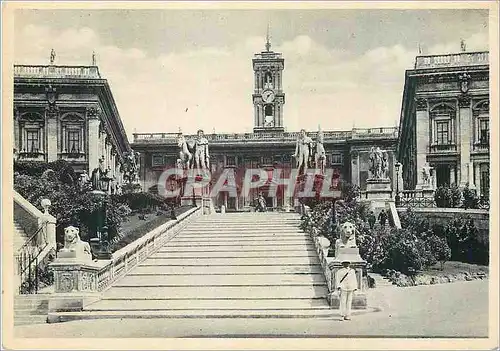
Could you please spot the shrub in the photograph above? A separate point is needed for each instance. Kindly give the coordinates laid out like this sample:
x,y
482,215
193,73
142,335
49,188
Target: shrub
x,y
449,197
439,248
70,205
470,199
462,237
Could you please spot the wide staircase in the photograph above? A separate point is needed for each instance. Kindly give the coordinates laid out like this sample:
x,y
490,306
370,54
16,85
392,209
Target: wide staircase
x,y
230,265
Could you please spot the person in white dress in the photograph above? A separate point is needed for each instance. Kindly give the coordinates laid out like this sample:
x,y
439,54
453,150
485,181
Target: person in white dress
x,y
347,283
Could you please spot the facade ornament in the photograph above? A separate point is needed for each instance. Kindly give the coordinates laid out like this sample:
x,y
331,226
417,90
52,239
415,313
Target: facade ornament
x,y
464,101
303,150
464,80
421,104
93,112
52,56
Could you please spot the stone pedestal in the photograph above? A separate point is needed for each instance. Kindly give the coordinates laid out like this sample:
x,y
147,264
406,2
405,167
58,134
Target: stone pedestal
x,y
378,189
351,254
75,285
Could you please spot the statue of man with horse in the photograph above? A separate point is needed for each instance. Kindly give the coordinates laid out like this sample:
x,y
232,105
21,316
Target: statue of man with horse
x,y
303,151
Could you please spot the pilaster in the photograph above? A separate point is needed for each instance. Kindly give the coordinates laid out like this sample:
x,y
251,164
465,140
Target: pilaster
x,y
465,122
422,128
93,138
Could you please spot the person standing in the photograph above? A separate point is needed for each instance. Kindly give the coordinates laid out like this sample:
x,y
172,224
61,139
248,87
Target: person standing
x,y
371,219
382,217
347,284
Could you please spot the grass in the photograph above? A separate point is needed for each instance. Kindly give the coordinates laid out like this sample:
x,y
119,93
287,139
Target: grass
x,y
136,228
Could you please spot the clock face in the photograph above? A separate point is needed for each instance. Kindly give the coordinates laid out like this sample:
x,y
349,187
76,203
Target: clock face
x,y
269,121
268,96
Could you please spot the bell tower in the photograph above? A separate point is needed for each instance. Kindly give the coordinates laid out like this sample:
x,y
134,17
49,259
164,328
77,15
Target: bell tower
x,y
268,97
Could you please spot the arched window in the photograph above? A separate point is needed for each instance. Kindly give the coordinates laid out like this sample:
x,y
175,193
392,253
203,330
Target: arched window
x,y
268,80
481,113
268,110
443,124
31,125
72,135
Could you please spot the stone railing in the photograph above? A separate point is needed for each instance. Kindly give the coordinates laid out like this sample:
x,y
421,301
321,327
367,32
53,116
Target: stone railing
x,y
417,198
452,60
40,71
356,133
437,148
31,219
78,283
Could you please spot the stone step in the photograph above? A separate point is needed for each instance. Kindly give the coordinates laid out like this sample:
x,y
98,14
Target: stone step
x,y
220,280
240,231
235,261
235,248
188,313
233,254
30,319
271,241
242,235
225,269
218,292
250,245
208,304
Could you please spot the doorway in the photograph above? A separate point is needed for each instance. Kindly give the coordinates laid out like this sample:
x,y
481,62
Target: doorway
x,y
442,175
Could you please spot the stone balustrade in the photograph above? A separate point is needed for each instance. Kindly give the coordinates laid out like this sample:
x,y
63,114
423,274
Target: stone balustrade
x,y
50,71
78,283
452,60
356,133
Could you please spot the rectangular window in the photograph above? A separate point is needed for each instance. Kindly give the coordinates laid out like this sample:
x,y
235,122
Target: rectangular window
x,y
484,132
442,132
32,141
337,159
74,141
230,161
157,160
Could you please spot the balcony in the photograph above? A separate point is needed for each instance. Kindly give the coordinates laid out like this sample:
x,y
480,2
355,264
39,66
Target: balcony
x,y
357,133
482,147
443,148
31,156
39,71
452,60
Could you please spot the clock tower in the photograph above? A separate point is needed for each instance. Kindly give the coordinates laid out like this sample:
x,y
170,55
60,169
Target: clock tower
x,y
268,97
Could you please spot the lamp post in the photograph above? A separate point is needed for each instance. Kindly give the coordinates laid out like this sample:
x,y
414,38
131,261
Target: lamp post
x,y
100,244
398,198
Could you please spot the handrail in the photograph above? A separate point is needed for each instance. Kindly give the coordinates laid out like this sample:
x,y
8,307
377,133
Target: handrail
x,y
30,239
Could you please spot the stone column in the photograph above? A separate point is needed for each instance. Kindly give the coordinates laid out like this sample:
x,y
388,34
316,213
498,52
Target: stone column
x,y
17,144
93,138
452,175
477,180
256,114
423,135
355,168
52,136
465,116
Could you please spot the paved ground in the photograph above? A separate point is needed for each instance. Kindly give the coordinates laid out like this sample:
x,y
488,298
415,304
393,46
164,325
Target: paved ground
x,y
447,310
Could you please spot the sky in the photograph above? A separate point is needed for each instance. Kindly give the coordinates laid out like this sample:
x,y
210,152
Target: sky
x,y
190,69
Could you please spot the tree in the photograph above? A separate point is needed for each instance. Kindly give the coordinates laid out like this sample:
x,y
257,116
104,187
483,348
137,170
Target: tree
x,y
439,248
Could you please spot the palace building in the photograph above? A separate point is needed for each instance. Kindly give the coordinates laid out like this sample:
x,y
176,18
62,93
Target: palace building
x,y
445,121
269,146
68,113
